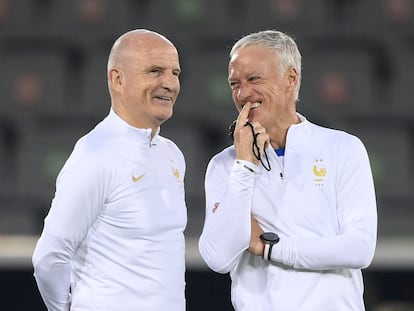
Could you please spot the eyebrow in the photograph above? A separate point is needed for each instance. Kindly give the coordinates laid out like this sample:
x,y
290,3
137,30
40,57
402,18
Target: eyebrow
x,y
158,67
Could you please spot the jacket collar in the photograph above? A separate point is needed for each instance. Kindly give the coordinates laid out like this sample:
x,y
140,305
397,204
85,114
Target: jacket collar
x,y
137,134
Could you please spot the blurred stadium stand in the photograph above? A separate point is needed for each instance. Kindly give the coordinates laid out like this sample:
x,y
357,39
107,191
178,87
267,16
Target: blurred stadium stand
x,y
357,62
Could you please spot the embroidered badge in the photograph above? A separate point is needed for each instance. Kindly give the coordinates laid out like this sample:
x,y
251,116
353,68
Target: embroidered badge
x,y
176,174
319,173
137,178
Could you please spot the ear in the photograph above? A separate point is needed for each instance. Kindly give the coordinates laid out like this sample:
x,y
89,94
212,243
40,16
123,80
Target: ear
x,y
115,78
292,75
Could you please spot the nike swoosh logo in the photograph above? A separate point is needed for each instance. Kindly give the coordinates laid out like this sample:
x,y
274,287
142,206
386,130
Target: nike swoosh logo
x,y
137,179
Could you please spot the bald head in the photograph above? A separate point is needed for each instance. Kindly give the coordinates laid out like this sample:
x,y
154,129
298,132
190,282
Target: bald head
x,y
143,78
130,42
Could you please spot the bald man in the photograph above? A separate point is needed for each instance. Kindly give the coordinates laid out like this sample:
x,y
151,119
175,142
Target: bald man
x,y
113,238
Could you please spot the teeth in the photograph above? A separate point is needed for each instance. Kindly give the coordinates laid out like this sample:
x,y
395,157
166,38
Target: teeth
x,y
164,98
255,105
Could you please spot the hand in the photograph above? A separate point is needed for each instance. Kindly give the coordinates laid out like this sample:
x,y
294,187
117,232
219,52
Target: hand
x,y
256,244
243,137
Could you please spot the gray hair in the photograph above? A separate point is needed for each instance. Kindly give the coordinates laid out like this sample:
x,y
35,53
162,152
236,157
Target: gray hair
x,y
285,47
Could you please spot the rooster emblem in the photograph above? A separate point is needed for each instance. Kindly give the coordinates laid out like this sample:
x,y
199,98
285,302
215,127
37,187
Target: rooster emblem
x,y
319,173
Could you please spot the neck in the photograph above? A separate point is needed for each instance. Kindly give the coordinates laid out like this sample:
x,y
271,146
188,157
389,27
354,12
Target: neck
x,y
278,132
136,122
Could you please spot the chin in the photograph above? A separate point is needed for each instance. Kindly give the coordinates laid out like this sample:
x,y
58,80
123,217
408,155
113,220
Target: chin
x,y
164,117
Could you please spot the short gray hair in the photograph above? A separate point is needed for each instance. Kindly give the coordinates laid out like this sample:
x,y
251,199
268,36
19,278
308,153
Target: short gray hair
x,y
285,47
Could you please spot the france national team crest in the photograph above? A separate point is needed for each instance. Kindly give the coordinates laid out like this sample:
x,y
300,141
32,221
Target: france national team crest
x,y
319,173
177,175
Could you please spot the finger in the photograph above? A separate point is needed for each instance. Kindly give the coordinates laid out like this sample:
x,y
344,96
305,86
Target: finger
x,y
262,141
243,115
258,127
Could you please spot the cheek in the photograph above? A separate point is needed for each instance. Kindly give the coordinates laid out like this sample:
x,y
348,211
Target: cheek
x,y
235,100
178,90
238,106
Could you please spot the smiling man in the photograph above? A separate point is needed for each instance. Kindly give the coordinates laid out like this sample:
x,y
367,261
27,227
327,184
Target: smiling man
x,y
113,238
290,207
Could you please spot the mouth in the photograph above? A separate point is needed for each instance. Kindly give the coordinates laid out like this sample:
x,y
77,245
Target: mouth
x,y
255,105
164,98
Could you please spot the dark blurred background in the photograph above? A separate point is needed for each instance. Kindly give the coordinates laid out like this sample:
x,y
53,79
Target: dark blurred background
x,y
357,76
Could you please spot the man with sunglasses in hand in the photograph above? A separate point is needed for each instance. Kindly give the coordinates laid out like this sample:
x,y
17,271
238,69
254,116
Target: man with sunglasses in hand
x,y
290,207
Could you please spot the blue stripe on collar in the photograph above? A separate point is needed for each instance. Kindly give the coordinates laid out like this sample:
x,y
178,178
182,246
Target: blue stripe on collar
x,y
280,152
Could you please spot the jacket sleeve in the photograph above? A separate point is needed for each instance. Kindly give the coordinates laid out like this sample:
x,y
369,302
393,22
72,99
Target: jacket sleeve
x,y
354,246
74,209
227,226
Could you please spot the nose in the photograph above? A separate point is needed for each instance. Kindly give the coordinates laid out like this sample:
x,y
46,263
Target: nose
x,y
244,92
171,82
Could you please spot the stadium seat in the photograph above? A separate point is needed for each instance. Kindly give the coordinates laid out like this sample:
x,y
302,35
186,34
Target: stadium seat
x,y
401,84
395,217
89,21
94,89
205,92
20,216
35,81
388,19
338,81
196,19
46,144
9,142
389,147
299,18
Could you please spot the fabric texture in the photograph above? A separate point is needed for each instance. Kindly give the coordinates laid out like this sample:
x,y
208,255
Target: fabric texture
x,y
320,201
113,238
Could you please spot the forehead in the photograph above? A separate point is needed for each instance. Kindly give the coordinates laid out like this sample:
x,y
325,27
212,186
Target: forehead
x,y
257,57
154,52
166,55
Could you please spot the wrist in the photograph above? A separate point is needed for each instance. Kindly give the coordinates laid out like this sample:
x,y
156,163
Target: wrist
x,y
265,253
251,167
269,239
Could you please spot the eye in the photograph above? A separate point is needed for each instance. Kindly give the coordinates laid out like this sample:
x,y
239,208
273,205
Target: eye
x,y
155,70
254,78
233,84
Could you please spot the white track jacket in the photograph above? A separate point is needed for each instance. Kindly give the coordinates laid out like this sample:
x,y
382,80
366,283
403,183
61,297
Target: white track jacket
x,y
321,202
113,239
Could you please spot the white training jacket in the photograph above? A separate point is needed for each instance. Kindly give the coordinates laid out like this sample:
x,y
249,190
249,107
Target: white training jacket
x,y
322,205
113,238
